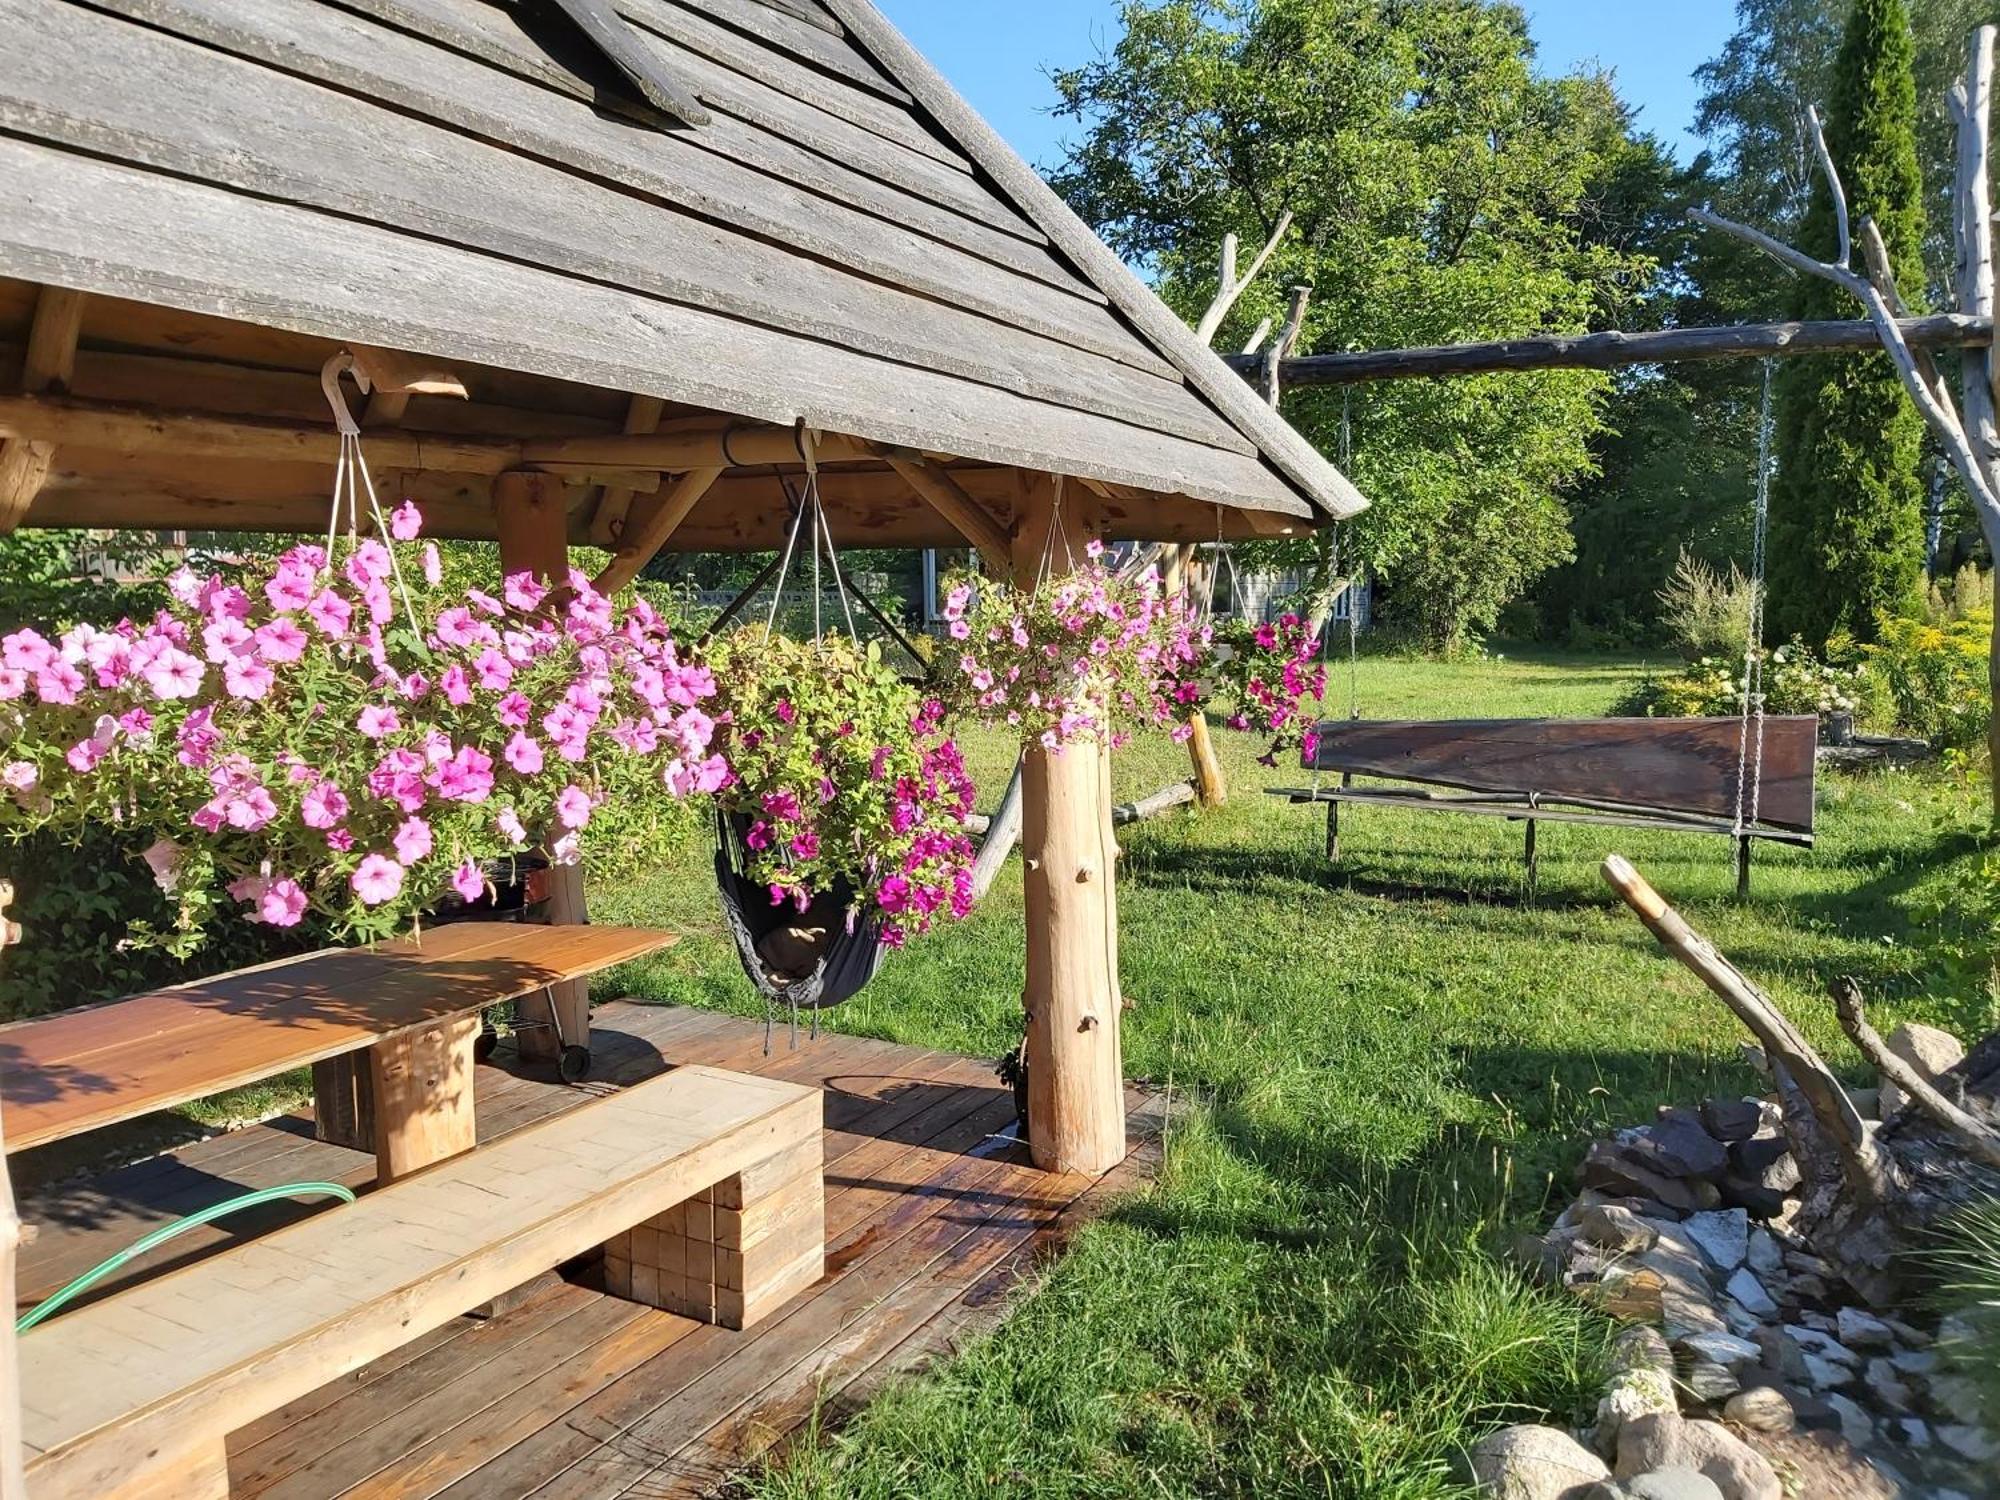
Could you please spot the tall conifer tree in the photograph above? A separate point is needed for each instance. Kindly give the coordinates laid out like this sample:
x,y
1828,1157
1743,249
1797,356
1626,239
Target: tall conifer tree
x,y
1846,522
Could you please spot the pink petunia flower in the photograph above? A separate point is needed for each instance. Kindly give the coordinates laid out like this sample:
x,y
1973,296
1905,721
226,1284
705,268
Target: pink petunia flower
x,y
247,677
468,882
331,613
509,823
573,806
376,721
377,879
323,806
524,754
406,522
413,840
282,904
279,640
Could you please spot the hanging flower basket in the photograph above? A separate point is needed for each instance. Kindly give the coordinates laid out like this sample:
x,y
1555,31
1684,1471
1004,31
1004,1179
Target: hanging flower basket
x,y
316,736
842,781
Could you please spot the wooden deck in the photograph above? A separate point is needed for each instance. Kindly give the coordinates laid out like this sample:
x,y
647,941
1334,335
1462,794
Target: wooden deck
x,y
932,1216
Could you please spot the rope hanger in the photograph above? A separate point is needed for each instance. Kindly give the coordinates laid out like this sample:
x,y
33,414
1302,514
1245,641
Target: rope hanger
x,y
351,479
1750,719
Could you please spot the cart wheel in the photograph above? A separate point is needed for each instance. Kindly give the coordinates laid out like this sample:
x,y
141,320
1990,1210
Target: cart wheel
x,y
484,1044
574,1064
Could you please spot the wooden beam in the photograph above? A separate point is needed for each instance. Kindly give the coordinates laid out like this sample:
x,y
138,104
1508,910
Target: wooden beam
x,y
1076,1085
532,524
1614,350
47,364
198,435
944,495
50,360
707,445
395,373
653,528
607,523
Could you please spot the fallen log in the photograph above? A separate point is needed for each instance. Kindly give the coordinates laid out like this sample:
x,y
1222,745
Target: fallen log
x,y
1871,1193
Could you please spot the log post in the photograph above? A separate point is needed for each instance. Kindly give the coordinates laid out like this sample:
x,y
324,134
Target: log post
x,y
1185,574
1076,1086
533,529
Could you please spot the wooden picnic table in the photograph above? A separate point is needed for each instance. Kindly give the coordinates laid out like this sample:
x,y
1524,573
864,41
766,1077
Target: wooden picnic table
x,y
413,1006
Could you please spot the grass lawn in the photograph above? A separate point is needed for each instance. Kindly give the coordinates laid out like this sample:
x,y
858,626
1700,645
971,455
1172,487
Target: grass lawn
x,y
1395,1062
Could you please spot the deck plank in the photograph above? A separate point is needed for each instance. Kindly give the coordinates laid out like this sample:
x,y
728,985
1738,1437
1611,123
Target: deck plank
x,y
934,1220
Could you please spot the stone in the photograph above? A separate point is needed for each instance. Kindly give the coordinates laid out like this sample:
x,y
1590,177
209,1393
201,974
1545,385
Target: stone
x,y
1914,1364
1862,1330
1825,1375
1804,1289
1867,1103
1760,1408
1663,1442
1742,1322
1613,1227
1731,1119
1806,1264
1912,1432
1723,1348
1754,1058
1676,1145
1673,1484
1534,1463
1908,1334
1826,1346
1763,1254
1748,1290
1607,1166
1632,1393
1641,1348
1722,1235
1782,1355
1927,1049
1709,1383
1635,1294
1752,1197
1970,1442
1887,1388
1855,1424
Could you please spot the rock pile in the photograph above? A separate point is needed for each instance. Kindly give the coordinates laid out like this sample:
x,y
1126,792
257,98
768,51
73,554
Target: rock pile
x,y
1747,1359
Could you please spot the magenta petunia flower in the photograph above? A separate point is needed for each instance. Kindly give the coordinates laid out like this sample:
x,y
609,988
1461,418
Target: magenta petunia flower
x,y
468,882
331,613
323,806
376,879
279,640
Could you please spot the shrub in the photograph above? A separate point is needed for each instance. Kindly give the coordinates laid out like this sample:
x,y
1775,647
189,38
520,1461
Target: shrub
x,y
1935,676
1795,682
1706,612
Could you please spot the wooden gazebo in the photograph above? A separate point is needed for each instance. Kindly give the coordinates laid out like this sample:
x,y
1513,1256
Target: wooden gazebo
x,y
651,241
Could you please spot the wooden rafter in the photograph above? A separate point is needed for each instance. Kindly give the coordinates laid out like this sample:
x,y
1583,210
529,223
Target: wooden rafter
x,y
47,364
607,523
651,530
944,495
701,445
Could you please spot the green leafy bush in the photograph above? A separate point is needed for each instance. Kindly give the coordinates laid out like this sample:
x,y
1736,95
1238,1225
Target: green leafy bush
x,y
1796,681
1935,676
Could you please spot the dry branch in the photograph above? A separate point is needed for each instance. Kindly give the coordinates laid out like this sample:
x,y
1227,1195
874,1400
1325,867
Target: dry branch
x,y
1229,286
1979,1138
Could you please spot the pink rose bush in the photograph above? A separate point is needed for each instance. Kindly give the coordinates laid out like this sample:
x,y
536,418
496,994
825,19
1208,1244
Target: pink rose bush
x,y
842,777
287,737
1085,657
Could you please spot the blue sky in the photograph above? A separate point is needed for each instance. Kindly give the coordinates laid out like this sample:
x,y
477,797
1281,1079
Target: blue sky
x,y
998,53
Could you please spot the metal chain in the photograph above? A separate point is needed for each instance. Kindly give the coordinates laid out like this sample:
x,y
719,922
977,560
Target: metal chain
x,y
1749,740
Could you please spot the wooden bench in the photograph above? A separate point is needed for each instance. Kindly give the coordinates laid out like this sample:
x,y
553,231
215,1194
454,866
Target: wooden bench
x,y
702,1186
407,1011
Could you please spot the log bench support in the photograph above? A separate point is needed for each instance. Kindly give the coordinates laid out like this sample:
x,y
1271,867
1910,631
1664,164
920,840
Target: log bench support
x,y
408,1098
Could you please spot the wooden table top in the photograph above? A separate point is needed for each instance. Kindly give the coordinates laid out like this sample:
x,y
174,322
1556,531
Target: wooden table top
x,y
94,1066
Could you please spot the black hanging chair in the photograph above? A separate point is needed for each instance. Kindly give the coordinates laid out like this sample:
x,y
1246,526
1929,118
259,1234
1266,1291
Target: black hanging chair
x,y
831,970
845,959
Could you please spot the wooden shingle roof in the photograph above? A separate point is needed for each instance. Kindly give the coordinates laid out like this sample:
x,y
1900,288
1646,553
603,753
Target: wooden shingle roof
x,y
842,242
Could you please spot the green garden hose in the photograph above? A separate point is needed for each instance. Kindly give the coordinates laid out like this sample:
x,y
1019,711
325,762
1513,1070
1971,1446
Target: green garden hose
x,y
166,1232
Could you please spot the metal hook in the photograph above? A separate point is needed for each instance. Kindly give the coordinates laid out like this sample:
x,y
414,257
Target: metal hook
x,y
329,382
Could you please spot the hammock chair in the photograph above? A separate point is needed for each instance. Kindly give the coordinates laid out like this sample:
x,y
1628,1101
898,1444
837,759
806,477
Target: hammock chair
x,y
822,956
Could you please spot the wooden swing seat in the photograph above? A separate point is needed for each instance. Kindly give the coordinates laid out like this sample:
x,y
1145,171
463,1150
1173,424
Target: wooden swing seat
x,y
1675,775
